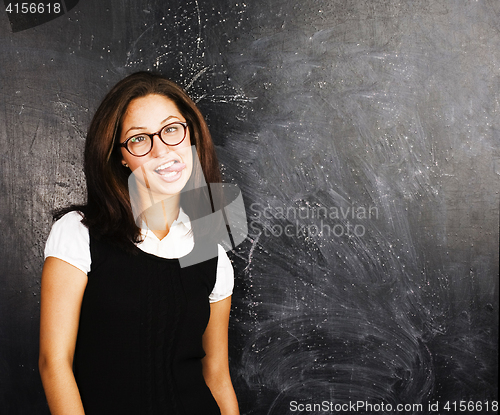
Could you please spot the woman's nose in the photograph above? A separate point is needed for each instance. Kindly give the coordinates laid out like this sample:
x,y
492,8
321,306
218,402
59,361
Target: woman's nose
x,y
159,147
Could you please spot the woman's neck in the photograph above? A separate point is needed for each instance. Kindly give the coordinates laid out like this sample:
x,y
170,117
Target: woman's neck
x,y
160,216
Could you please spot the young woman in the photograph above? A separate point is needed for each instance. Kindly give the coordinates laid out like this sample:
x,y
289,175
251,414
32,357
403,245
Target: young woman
x,y
125,327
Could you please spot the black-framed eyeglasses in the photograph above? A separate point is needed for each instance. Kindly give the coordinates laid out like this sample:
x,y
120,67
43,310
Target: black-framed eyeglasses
x,y
141,144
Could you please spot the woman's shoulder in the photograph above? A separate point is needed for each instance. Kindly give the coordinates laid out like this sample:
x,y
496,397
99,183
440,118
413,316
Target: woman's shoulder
x,y
73,217
70,223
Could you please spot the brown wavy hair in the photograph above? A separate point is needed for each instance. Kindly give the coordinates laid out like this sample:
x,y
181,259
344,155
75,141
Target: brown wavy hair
x,y
108,212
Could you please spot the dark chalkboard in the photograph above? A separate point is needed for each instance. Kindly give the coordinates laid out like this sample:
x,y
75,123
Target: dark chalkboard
x,y
364,136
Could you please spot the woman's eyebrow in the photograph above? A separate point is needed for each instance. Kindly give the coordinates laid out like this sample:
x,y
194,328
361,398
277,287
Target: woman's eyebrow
x,y
144,128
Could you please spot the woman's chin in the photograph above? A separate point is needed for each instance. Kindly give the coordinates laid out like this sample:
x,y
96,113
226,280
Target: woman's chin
x,y
169,184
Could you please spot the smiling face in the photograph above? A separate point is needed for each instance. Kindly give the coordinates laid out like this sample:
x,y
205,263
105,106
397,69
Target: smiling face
x,y
165,170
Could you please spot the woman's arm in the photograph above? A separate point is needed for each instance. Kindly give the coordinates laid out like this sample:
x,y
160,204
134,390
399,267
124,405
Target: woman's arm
x,y
62,291
216,363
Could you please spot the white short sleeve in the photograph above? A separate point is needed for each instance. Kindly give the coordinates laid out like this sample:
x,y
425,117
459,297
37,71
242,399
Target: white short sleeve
x,y
69,240
225,278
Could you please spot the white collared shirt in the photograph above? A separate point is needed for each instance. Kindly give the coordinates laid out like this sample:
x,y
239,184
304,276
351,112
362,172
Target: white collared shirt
x,y
69,240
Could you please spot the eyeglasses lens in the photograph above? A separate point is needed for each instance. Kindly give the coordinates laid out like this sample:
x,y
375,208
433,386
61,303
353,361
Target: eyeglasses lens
x,y
173,134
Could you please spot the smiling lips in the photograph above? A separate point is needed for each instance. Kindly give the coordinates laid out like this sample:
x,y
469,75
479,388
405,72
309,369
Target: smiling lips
x,y
170,169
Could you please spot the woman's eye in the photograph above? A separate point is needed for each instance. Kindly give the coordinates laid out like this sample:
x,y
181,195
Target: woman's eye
x,y
138,139
171,129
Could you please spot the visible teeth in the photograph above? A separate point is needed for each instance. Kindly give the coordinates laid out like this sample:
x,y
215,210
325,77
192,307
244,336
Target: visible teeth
x,y
171,173
165,166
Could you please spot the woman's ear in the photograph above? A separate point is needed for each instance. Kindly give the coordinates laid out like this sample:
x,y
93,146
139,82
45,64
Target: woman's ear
x,y
124,163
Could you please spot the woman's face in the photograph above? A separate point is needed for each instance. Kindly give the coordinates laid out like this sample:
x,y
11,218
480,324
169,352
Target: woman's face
x,y
165,170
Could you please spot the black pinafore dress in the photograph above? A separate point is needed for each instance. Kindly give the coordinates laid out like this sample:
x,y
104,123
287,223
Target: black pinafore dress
x,y
139,345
